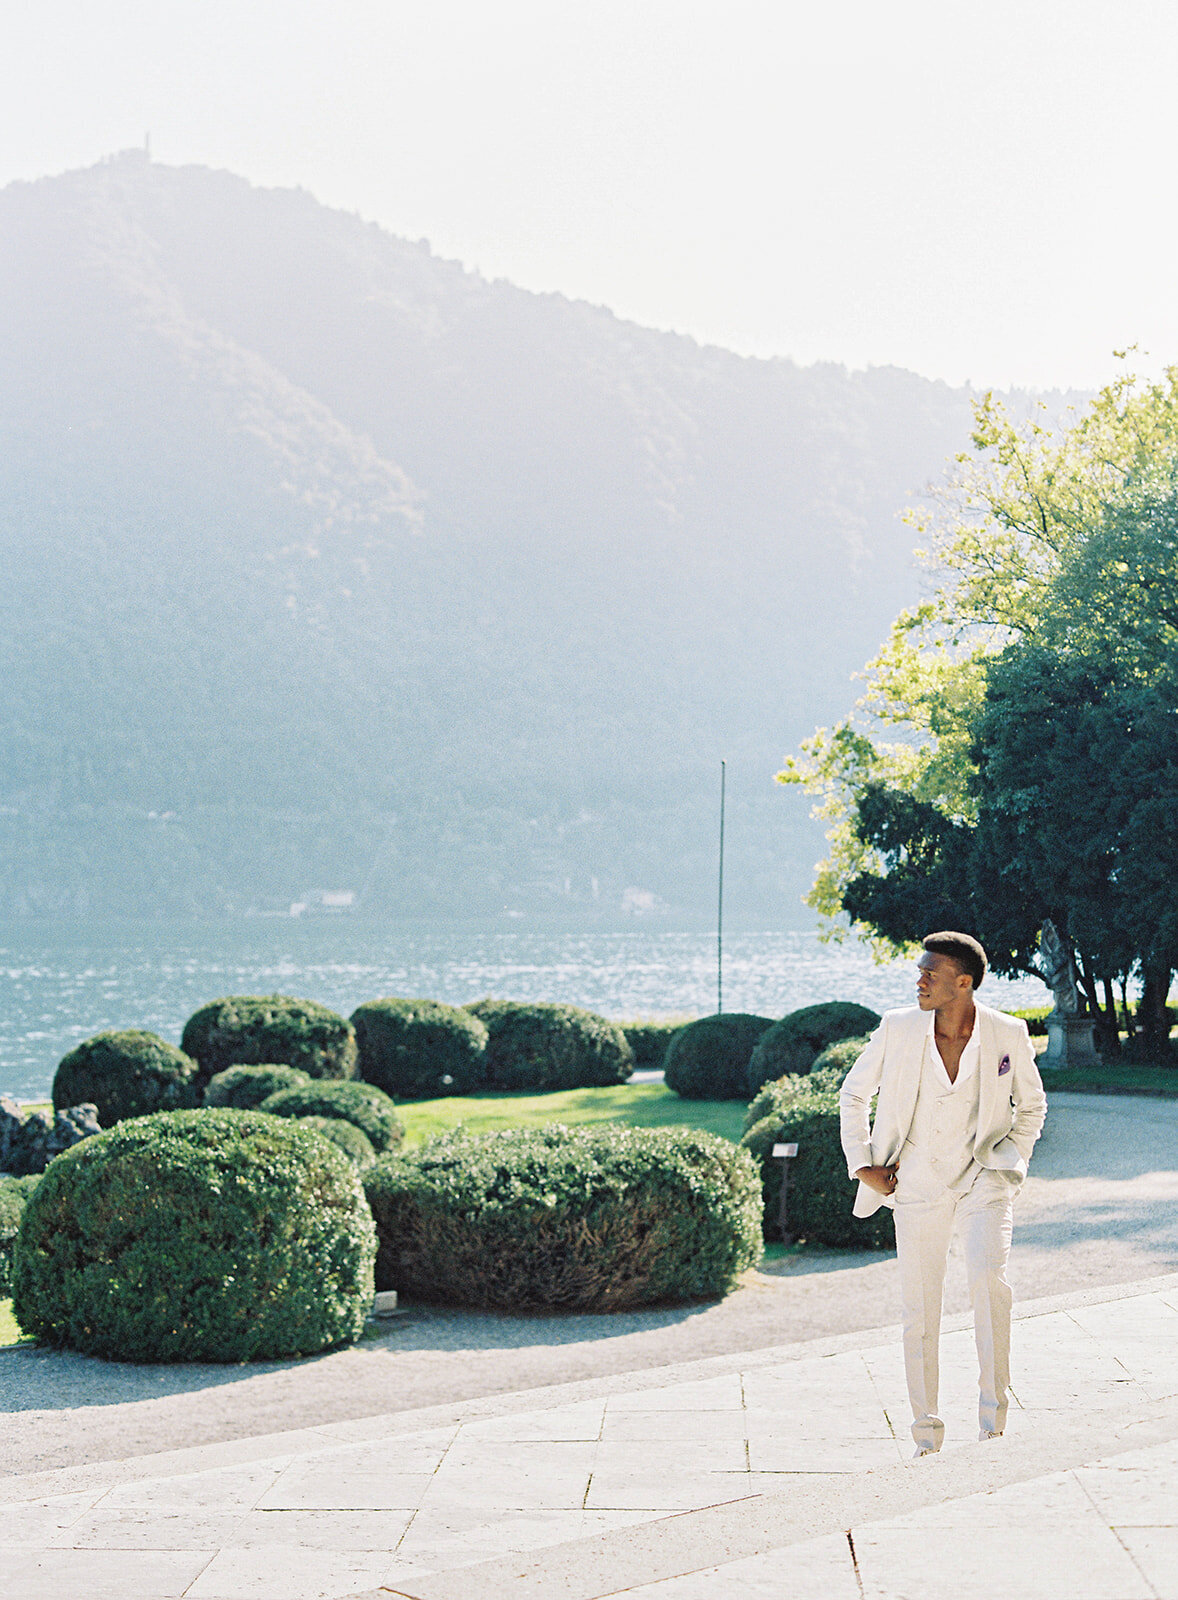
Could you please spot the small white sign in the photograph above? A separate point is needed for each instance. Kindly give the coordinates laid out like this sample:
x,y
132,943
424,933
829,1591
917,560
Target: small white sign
x,y
785,1150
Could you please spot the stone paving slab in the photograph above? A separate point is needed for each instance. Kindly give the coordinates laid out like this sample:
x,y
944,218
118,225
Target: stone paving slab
x,y
753,1541
1104,1532
656,1478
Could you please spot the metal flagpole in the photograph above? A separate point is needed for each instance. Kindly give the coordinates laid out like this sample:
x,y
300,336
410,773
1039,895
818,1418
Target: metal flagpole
x,y
720,904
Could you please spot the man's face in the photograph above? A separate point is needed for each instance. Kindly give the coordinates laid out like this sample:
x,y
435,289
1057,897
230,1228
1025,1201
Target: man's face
x,y
939,981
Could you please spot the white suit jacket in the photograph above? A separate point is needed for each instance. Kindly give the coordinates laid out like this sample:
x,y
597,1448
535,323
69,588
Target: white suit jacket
x,y
1011,1102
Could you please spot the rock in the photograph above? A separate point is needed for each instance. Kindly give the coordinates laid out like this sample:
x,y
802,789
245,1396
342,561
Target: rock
x,y
11,1122
71,1126
22,1139
29,1140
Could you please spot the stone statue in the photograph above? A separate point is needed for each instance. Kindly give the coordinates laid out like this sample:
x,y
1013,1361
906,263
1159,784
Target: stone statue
x,y
1059,971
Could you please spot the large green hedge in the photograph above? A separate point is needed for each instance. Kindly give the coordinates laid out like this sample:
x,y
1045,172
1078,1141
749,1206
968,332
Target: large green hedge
x,y
361,1104
250,1028
244,1088
709,1059
420,1049
589,1218
792,1045
541,1047
649,1041
14,1196
128,1073
197,1236
821,1196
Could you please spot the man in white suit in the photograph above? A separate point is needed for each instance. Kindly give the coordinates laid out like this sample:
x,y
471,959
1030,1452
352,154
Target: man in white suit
x,y
960,1106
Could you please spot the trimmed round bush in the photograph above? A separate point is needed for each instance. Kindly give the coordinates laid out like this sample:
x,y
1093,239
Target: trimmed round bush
x,y
821,1196
590,1218
248,1029
364,1106
197,1236
547,1047
836,1061
357,1146
127,1073
795,1043
14,1196
420,1049
777,1098
244,1088
709,1059
770,1098
649,1041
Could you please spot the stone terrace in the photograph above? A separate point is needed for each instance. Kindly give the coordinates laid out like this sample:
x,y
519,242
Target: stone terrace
x,y
784,1472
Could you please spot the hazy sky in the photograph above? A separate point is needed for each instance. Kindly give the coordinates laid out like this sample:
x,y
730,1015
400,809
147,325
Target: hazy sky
x,y
982,190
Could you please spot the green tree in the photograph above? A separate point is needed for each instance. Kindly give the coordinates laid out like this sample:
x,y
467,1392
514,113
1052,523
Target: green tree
x,y
1077,783
1053,630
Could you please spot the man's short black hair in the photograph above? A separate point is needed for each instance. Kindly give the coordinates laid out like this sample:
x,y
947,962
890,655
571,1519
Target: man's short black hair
x,y
962,948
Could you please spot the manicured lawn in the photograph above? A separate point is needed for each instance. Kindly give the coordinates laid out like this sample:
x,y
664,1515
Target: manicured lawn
x,y
1115,1079
9,1332
643,1105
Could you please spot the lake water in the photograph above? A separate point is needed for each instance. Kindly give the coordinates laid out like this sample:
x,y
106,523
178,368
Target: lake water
x,y
58,988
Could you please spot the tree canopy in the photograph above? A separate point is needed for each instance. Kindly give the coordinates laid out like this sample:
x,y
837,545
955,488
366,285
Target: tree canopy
x,y
1015,755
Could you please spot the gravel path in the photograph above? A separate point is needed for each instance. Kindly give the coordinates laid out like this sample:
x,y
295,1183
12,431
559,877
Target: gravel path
x,y
1101,1207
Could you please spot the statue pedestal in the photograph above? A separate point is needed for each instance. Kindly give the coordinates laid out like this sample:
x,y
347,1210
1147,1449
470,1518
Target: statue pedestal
x,y
1070,1042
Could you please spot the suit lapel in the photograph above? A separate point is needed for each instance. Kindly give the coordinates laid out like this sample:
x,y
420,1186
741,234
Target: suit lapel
x,y
908,1083
988,1089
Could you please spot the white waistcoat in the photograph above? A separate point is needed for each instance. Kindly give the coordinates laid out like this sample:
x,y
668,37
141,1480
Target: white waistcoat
x,y
939,1150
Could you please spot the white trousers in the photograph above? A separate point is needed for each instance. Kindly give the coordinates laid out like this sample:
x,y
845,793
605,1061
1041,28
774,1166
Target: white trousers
x,y
924,1227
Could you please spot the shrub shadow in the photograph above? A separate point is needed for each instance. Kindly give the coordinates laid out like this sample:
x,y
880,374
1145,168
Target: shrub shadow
x,y
43,1378
804,1260
440,1327
37,1377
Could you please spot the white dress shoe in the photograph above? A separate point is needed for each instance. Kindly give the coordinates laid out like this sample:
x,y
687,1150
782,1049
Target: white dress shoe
x,y
988,1433
924,1450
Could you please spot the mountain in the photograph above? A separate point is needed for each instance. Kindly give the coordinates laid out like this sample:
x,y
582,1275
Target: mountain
x,y
330,566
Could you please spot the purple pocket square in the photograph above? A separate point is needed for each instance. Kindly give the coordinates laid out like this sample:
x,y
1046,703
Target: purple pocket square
x,y
1004,1065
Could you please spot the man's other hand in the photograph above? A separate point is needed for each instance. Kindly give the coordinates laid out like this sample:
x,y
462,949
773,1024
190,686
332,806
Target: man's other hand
x,y
881,1179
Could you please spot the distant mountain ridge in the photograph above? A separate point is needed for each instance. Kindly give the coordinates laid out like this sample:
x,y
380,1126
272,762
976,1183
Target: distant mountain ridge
x,y
331,566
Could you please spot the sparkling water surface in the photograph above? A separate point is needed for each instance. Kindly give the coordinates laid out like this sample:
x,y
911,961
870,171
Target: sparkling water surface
x,y
58,988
